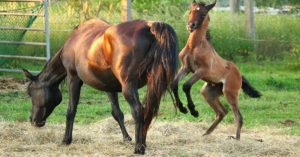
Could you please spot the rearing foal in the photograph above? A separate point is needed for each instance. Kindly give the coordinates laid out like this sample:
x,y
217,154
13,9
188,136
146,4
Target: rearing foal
x,y
220,76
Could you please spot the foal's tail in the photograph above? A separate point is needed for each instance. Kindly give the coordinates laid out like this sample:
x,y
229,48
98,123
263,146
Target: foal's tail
x,y
160,65
249,90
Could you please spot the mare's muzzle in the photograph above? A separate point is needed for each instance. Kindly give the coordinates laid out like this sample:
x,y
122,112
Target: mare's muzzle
x,y
37,123
38,118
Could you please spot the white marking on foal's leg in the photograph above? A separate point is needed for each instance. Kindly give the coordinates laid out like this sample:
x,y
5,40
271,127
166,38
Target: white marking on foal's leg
x,y
223,81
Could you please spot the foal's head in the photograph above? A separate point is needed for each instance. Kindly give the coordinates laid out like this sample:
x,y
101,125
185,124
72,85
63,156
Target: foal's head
x,y
44,98
197,14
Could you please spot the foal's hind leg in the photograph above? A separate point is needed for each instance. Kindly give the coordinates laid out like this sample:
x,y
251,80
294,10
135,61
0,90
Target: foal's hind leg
x,y
118,114
211,94
231,94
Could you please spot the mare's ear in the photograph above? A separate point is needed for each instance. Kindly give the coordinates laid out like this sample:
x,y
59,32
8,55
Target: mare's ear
x,y
210,6
29,75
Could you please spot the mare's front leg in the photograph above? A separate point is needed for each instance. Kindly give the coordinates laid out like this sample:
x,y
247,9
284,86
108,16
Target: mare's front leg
x,y
118,114
130,92
187,90
74,93
181,73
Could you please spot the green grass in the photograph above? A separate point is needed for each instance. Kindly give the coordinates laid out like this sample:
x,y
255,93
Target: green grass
x,y
280,102
277,36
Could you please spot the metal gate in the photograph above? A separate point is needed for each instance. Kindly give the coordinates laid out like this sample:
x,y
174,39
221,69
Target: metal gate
x,y
31,16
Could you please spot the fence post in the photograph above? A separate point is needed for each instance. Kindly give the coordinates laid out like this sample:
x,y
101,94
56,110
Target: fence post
x,y
234,6
126,10
249,15
47,29
249,23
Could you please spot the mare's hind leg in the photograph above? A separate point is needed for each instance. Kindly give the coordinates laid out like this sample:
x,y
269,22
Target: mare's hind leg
x,y
129,90
118,114
75,84
232,94
211,94
182,72
187,90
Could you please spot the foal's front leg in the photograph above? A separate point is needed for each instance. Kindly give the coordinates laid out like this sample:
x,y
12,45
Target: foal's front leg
x,y
74,93
182,72
187,89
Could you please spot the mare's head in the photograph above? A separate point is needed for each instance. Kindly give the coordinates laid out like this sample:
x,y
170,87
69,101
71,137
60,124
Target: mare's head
x,y
197,14
44,98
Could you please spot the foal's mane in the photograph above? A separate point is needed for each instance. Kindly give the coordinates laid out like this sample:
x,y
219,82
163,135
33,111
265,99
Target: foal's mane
x,y
208,35
201,3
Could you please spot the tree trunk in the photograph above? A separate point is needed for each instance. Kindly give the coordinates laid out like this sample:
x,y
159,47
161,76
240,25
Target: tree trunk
x,y
126,10
234,6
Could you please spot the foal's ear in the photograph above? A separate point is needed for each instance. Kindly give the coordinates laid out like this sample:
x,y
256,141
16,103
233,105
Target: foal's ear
x,y
29,75
210,6
194,2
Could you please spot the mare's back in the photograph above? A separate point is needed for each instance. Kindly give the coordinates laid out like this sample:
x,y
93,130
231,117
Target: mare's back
x,y
135,35
84,34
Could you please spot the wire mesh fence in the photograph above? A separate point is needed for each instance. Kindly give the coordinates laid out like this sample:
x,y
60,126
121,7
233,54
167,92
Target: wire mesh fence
x,y
16,19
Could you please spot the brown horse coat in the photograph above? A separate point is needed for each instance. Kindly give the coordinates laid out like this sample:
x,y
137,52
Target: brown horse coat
x,y
111,58
221,76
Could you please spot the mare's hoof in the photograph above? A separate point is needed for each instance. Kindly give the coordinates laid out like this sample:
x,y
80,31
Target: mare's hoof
x,y
139,149
127,139
183,110
233,138
66,142
195,113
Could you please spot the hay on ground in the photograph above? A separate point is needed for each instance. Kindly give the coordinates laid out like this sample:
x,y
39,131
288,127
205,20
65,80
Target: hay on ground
x,y
164,139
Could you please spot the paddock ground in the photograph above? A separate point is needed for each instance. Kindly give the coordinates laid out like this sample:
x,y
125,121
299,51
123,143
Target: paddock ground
x,y
164,139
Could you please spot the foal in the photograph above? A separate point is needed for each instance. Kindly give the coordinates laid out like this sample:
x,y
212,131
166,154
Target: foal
x,y
220,76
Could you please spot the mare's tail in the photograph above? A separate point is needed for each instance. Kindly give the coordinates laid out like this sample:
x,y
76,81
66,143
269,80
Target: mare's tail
x,y
249,90
160,65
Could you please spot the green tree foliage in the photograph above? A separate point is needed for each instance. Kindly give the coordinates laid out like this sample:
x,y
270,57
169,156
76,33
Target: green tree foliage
x,y
276,3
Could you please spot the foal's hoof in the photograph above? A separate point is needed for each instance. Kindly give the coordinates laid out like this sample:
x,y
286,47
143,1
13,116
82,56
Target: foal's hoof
x,y
233,138
183,110
139,149
205,134
195,113
127,139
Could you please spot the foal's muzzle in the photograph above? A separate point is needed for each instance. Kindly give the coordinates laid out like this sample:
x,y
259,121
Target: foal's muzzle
x,y
191,26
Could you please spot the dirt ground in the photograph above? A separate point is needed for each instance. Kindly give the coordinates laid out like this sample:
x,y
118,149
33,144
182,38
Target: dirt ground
x,y
9,84
164,139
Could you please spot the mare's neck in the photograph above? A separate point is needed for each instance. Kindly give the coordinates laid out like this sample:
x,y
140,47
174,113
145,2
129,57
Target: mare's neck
x,y
53,72
198,36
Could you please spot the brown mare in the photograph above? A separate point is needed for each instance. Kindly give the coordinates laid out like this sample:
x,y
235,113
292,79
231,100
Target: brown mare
x,y
110,58
220,76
